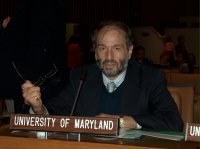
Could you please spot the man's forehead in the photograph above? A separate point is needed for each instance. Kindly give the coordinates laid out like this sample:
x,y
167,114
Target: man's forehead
x,y
113,29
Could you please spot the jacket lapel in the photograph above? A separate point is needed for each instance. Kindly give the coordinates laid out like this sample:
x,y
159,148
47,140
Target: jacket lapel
x,y
132,87
90,93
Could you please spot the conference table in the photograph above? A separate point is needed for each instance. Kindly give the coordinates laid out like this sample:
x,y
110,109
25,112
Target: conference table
x,y
17,139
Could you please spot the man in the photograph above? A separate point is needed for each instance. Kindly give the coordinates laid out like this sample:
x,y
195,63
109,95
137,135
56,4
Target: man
x,y
139,55
139,97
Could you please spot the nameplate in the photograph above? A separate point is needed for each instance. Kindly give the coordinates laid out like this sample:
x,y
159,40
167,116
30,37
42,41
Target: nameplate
x,y
90,125
192,132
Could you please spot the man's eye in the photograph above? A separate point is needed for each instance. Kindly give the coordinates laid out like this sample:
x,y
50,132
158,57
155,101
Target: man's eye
x,y
102,48
117,48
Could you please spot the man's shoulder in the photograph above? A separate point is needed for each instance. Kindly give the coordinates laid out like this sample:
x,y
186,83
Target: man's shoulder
x,y
150,70
140,66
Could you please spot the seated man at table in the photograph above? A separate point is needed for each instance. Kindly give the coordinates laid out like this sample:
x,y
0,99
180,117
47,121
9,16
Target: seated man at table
x,y
138,94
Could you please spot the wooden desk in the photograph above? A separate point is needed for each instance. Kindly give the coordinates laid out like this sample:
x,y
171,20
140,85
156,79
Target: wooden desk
x,y
24,140
31,143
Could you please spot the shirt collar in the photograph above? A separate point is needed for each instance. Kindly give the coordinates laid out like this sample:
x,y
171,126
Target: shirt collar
x,y
118,81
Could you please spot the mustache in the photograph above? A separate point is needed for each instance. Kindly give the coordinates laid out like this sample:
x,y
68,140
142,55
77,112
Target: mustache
x,y
110,61
98,61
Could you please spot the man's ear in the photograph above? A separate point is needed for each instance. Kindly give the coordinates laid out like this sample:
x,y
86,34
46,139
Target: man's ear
x,y
130,51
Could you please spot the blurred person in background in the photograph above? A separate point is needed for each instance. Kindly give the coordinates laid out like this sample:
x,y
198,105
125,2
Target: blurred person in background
x,y
181,47
139,55
168,54
191,61
74,52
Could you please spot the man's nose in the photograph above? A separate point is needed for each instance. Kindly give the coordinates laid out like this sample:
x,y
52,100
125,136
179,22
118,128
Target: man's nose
x,y
109,54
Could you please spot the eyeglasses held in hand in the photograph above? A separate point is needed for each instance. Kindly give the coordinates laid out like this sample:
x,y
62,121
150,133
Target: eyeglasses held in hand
x,y
42,78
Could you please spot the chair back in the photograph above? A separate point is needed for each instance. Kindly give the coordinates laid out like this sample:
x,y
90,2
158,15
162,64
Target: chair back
x,y
186,93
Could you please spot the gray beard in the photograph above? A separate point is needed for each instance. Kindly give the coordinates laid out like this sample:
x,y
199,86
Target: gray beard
x,y
110,73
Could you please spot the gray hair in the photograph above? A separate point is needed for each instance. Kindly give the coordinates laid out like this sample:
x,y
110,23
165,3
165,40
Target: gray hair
x,y
112,23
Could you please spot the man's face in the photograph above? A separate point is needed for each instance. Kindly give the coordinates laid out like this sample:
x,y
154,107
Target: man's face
x,y
140,55
112,54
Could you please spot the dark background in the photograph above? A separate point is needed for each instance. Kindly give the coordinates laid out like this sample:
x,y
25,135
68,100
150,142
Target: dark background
x,y
34,41
133,12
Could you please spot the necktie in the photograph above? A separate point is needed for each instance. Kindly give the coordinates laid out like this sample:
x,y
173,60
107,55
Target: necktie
x,y
111,87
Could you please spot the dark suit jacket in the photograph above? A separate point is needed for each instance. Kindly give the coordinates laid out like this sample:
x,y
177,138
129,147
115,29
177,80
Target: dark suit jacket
x,y
145,97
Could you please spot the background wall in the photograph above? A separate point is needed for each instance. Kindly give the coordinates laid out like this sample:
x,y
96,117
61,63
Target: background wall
x,y
192,38
150,41
153,44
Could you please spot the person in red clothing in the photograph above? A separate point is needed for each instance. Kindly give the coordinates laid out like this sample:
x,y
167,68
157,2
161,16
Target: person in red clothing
x,y
168,54
74,53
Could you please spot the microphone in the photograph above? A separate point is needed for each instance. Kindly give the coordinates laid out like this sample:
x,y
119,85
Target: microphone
x,y
82,79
